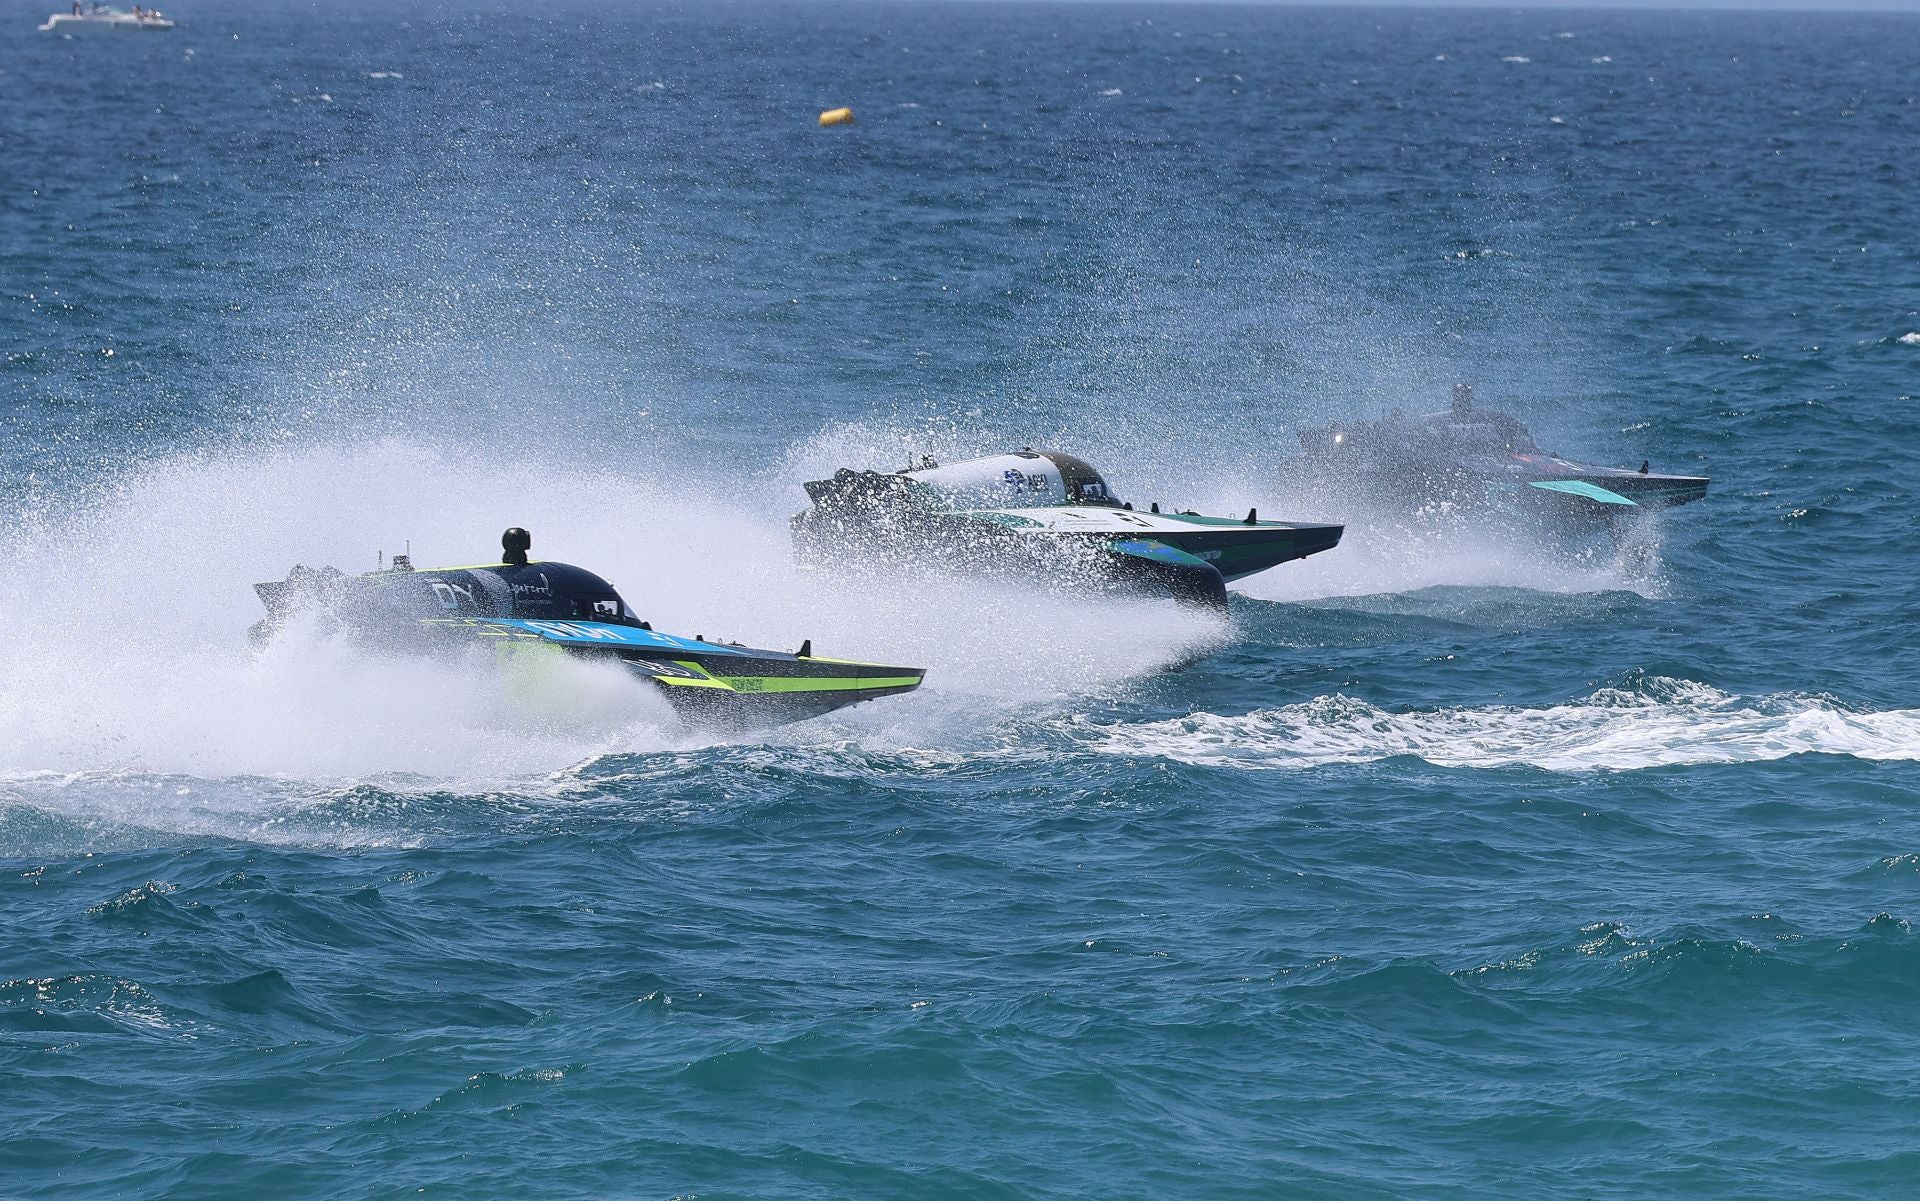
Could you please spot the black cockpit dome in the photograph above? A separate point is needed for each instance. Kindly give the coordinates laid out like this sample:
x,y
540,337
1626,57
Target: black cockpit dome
x,y
1484,430
539,590
561,590
1427,435
1084,484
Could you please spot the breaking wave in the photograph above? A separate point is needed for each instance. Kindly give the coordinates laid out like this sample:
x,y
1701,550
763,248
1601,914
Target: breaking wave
x,y
1665,723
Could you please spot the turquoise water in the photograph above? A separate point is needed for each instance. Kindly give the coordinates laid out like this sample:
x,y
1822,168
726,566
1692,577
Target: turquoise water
x,y
1444,868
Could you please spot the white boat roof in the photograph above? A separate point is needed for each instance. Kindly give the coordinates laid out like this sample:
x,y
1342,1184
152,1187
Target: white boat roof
x,y
1023,478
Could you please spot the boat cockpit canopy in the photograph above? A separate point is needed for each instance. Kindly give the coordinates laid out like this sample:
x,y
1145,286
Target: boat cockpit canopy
x,y
543,591
1484,431
1023,479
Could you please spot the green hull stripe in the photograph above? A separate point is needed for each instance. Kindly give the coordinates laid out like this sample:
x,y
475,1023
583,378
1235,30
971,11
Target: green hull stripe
x,y
700,676
801,684
686,682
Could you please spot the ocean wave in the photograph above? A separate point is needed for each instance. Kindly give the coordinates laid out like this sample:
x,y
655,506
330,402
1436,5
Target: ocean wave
x,y
1662,722
85,1003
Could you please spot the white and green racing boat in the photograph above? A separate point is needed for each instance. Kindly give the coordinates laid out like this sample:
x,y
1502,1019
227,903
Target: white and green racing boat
x,y
1042,517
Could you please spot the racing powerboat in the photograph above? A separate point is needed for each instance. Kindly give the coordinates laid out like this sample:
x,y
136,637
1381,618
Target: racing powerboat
x,y
1479,463
523,611
91,17
1041,516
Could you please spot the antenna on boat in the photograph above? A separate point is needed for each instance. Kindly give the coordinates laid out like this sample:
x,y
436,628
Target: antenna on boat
x,y
805,651
1156,506
1253,517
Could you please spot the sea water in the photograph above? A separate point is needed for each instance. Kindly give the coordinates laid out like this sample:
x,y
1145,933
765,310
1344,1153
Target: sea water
x,y
1439,868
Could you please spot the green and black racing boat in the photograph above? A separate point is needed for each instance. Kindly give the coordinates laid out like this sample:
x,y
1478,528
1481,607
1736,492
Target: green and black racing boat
x,y
521,607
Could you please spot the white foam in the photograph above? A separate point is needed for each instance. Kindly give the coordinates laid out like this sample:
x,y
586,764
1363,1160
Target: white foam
x,y
125,645
1666,723
1912,339
1516,58
1374,559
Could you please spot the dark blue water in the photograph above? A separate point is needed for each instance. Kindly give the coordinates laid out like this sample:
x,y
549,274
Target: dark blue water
x,y
1442,870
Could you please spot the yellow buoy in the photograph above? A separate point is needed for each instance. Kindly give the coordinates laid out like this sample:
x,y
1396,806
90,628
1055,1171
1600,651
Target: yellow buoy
x,y
837,116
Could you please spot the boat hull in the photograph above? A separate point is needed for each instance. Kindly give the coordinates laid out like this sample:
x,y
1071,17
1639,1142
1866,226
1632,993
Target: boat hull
x,y
1650,491
1188,557
1238,549
709,684
532,612
67,23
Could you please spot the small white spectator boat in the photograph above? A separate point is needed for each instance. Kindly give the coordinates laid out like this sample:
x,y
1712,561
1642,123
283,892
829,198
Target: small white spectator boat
x,y
89,17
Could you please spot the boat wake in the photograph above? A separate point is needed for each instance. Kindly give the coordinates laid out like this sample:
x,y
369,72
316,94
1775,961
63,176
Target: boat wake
x,y
125,646
1381,560
1663,723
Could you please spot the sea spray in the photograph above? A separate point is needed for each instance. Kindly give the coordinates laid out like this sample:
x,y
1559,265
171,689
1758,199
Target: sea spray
x,y
128,649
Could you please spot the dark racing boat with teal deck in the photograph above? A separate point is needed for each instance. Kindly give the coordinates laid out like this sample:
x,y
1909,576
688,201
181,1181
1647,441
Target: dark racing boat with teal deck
x,y
523,610
1482,466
